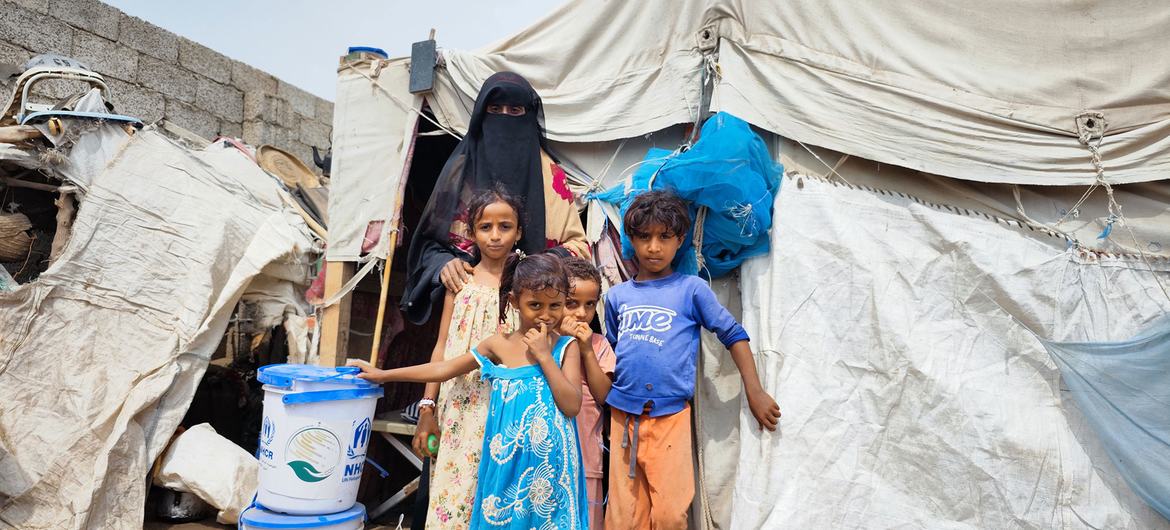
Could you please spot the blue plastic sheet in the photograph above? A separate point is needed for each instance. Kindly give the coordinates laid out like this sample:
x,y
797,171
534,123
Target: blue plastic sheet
x,y
730,171
1123,389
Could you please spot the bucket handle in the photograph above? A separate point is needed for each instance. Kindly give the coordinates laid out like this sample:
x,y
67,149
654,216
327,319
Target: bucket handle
x,y
330,395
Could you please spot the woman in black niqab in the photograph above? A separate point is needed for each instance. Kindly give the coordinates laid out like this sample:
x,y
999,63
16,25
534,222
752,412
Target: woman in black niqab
x,y
502,150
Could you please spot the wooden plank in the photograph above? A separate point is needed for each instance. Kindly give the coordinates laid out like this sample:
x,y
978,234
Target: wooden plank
x,y
335,319
393,427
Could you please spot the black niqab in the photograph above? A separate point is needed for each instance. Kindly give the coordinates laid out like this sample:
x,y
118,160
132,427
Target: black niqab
x,y
499,151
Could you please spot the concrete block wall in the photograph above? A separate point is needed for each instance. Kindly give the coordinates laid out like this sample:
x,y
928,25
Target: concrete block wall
x,y
155,74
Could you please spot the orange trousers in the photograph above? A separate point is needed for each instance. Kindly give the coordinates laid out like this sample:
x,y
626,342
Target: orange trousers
x,y
659,494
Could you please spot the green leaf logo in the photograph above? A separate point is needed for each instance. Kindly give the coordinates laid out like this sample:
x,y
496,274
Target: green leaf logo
x,y
305,471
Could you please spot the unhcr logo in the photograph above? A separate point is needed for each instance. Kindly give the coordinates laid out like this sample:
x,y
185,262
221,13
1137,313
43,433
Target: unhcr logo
x,y
267,431
361,437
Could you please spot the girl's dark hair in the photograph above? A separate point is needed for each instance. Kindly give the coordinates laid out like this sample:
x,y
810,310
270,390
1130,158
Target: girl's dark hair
x,y
481,200
530,273
657,207
578,268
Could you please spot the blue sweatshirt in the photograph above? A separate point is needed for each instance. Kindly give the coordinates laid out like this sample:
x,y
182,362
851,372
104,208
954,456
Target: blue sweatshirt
x,y
654,329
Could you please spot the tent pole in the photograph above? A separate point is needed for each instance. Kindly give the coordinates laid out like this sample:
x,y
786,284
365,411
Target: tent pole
x,y
335,318
382,296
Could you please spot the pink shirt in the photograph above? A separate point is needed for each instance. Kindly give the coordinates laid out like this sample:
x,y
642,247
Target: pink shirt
x,y
589,419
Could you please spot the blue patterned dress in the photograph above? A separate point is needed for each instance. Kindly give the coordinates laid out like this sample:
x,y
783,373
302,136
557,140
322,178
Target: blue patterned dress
x,y
530,476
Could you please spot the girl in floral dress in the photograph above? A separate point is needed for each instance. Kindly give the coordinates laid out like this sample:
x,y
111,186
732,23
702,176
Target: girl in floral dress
x,y
530,474
469,317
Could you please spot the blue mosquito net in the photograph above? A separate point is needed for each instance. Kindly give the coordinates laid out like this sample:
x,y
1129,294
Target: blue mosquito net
x,y
730,171
1122,389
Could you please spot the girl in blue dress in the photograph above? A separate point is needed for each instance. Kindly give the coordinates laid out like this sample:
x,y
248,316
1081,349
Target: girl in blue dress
x,y
530,476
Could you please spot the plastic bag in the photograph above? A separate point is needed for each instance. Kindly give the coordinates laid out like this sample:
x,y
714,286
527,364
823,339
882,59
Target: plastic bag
x,y
729,171
1121,388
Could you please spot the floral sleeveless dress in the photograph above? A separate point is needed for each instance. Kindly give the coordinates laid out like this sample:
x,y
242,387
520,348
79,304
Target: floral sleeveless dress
x,y
530,475
462,409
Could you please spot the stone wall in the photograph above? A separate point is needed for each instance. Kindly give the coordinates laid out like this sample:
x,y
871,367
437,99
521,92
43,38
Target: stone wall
x,y
155,74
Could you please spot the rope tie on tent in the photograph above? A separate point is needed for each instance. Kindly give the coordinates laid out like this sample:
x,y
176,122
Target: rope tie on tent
x,y
700,220
1091,133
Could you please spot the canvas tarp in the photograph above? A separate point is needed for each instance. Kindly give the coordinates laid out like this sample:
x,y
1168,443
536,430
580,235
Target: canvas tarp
x,y
986,92
99,358
898,339
373,131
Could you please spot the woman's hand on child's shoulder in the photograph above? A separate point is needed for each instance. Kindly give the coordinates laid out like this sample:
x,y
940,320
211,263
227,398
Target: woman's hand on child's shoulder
x,y
579,330
369,373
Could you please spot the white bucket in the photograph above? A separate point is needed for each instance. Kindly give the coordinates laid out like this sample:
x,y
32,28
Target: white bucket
x,y
257,518
317,425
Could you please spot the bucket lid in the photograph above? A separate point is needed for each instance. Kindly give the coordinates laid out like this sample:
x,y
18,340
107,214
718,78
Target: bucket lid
x,y
258,517
283,375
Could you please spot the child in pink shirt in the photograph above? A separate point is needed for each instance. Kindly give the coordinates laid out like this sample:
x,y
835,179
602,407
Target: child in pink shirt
x,y
580,308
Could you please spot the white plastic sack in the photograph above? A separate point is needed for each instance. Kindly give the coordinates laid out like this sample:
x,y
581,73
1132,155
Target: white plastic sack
x,y
202,462
893,336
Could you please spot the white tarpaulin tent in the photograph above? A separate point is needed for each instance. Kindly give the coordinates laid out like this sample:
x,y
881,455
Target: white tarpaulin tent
x,y
100,356
988,93
976,108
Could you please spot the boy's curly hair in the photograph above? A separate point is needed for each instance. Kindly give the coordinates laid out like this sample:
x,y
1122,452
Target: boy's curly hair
x,y
657,207
580,269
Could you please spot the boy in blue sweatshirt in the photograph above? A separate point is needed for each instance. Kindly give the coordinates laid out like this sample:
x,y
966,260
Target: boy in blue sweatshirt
x,y
653,324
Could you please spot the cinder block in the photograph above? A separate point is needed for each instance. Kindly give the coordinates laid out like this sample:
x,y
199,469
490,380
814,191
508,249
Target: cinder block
x,y
268,108
148,38
249,79
231,129
133,100
193,119
40,6
325,111
104,56
34,32
302,102
16,55
172,81
55,90
259,133
205,61
10,54
222,100
315,133
90,15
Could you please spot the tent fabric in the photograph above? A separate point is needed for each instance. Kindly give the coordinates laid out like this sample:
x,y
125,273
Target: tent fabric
x,y
101,356
895,83
1145,206
895,336
987,92
374,120
605,70
898,83
1121,389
